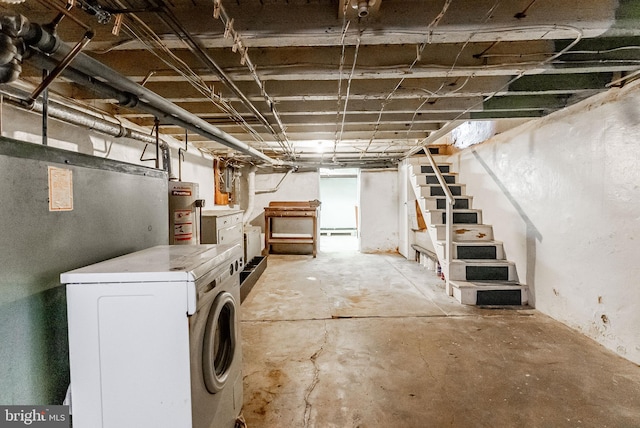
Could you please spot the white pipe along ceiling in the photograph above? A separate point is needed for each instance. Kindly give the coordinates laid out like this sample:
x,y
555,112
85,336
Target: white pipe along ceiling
x,y
354,83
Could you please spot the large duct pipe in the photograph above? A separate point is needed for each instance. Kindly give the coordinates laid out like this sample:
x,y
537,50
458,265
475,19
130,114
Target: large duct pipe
x,y
86,120
251,184
37,36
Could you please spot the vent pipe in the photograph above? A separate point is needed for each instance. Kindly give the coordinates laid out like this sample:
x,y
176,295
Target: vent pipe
x,y
251,184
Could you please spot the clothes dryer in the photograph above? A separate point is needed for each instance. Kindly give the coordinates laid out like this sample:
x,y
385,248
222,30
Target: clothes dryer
x,y
154,339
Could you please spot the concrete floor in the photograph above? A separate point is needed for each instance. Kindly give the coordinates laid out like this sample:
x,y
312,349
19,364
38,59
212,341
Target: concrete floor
x,y
361,340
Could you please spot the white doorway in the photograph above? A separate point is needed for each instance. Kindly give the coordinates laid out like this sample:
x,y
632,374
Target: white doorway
x,y
339,209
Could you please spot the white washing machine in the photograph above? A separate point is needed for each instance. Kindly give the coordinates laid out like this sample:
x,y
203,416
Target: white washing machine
x,y
154,339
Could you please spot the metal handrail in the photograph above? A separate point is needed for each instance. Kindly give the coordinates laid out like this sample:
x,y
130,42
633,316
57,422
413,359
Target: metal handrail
x,y
449,220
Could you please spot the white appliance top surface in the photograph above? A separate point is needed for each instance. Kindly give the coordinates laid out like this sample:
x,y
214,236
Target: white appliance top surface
x,y
161,263
219,213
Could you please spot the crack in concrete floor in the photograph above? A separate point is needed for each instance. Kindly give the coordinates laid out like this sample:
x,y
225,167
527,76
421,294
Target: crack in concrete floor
x,y
381,367
316,378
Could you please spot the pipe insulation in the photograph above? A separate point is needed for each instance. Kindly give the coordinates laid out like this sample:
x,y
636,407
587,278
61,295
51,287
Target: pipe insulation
x,y
37,36
251,184
79,118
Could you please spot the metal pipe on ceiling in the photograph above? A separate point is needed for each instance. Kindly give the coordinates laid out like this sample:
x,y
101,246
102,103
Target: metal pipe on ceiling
x,y
130,100
79,118
53,74
39,37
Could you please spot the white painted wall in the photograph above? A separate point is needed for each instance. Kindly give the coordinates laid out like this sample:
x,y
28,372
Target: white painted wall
x,y
563,193
298,186
339,196
197,168
405,197
379,211
27,126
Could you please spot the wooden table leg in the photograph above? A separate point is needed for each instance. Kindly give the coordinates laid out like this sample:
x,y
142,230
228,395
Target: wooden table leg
x,y
315,235
267,234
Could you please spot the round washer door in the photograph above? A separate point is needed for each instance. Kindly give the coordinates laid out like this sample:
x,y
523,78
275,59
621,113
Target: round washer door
x,y
220,337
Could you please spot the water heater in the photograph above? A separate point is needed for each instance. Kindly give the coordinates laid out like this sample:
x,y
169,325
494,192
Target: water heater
x,y
183,222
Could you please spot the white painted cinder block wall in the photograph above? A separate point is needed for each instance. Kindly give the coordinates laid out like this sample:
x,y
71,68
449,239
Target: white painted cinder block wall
x,y
563,193
379,211
297,186
377,196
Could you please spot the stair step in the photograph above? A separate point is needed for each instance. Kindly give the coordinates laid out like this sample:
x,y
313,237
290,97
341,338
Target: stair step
x,y
433,179
465,232
427,190
490,292
459,216
440,203
463,203
475,251
428,169
424,160
483,270
424,167
481,250
464,217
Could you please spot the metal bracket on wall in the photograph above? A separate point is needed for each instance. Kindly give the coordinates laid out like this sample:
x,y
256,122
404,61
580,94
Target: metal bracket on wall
x,y
156,127
143,152
156,124
45,111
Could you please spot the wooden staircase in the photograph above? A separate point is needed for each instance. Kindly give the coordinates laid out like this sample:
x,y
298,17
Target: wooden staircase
x,y
479,272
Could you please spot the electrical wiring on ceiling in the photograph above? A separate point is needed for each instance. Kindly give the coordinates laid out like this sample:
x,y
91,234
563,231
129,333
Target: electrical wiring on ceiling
x,y
195,46
340,131
239,46
343,47
139,30
391,95
437,92
579,35
420,49
342,109
579,52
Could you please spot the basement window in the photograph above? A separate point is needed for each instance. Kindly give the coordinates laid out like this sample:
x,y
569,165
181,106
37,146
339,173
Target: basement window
x,y
471,133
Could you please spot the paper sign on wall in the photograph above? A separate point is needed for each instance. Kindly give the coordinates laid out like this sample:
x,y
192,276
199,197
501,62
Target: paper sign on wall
x,y
60,189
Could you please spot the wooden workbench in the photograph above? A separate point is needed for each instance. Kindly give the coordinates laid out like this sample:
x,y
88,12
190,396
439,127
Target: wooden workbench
x,y
292,209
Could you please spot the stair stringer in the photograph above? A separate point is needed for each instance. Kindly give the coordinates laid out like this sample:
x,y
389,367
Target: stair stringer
x,y
422,201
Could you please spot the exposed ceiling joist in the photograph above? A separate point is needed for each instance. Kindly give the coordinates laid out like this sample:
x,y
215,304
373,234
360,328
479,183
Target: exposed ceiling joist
x,y
305,80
